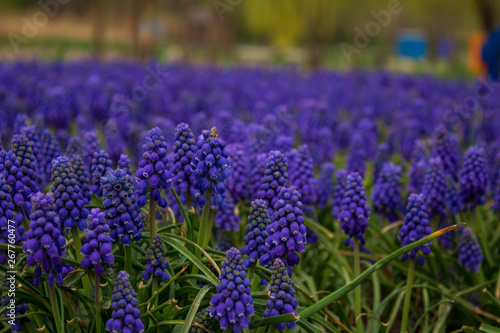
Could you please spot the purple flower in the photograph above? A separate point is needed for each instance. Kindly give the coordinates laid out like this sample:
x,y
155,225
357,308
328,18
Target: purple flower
x,y
454,202
354,212
232,304
97,246
120,207
338,192
46,244
100,166
10,233
20,121
32,135
469,251
49,151
126,316
275,178
226,217
287,234
302,176
256,232
284,143
357,155
184,151
81,176
257,172
23,151
418,167
382,157
124,164
156,262
325,185
70,204
153,169
386,195
91,146
281,295
19,310
204,320
474,178
434,188
238,185
211,167
446,147
75,147
416,226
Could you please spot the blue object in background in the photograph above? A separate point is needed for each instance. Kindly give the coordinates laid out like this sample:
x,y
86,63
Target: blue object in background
x,y
491,55
444,48
411,45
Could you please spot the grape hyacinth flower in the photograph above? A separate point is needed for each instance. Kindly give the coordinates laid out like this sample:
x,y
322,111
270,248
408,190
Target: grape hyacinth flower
x,y
70,205
302,176
386,195
338,193
91,146
211,167
45,243
124,164
153,169
156,261
32,135
446,147
7,213
20,121
469,251
97,244
474,178
100,166
238,185
257,171
81,176
182,171
357,155
49,151
19,310
325,185
226,218
354,212
275,178
281,296
434,188
232,304
381,158
454,202
287,234
23,151
120,207
75,147
418,167
446,239
202,322
256,232
416,226
126,316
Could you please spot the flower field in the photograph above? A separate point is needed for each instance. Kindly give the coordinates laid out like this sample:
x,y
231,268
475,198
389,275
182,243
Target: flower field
x,y
174,198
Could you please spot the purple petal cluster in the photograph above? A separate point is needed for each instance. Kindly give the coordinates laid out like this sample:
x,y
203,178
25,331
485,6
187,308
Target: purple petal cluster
x,y
156,261
23,151
256,232
10,232
239,183
75,147
381,157
418,167
226,218
49,151
435,188
356,160
474,178
203,320
91,146
386,194
31,133
126,316
469,251
211,167
325,185
81,176
100,166
287,233
45,243
354,212
97,246
10,170
70,204
281,295
302,176
416,226
338,192
275,178
124,164
120,207
232,304
257,171
453,200
184,151
153,169
446,147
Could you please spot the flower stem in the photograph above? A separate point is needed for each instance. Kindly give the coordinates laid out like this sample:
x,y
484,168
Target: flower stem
x,y
357,291
205,220
152,218
253,277
477,220
406,306
78,246
55,309
97,303
128,258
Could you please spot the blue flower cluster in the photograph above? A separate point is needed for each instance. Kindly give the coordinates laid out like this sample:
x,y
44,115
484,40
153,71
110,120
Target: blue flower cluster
x,y
239,184
418,167
416,226
49,151
75,147
354,212
126,316
226,218
91,146
10,170
453,200
156,261
124,164
281,295
202,322
338,192
184,152
16,232
23,151
435,188
357,155
45,243
256,232
120,207
153,169
287,234
275,178
232,304
386,194
100,165
325,185
474,178
70,204
211,167
446,147
81,176
31,133
97,247
302,176
469,251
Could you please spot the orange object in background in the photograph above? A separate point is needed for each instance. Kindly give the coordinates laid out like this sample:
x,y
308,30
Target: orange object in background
x,y
474,60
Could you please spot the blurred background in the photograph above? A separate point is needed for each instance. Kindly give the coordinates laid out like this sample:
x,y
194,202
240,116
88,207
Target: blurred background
x,y
439,36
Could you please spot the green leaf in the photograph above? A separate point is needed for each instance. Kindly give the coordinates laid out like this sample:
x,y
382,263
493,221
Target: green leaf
x,y
194,308
273,320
